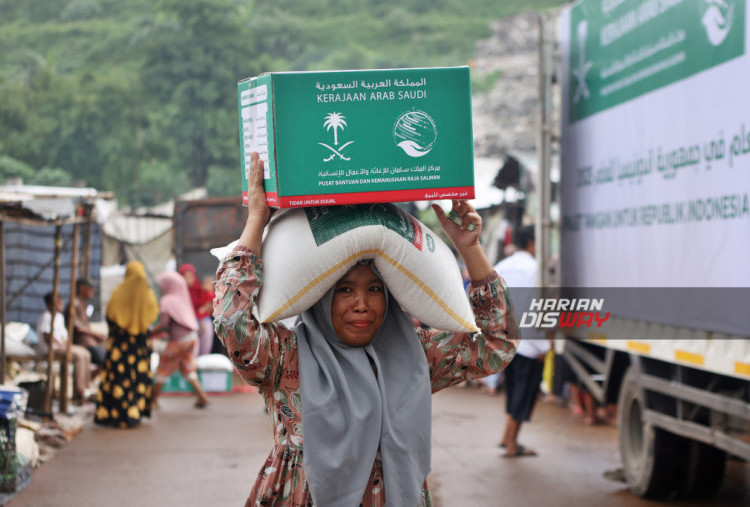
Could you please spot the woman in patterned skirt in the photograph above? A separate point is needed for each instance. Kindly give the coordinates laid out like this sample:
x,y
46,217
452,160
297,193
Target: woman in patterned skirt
x,y
126,381
353,371
178,324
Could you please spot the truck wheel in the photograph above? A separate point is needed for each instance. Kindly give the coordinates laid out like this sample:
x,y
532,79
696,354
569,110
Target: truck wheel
x,y
650,456
704,471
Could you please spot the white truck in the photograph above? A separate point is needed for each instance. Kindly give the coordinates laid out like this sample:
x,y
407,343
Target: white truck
x,y
654,219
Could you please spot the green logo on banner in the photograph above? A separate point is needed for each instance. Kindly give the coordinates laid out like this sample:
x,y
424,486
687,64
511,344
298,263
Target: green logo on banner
x,y
329,222
622,49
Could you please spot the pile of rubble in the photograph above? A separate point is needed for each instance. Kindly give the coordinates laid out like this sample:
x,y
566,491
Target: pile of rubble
x,y
505,117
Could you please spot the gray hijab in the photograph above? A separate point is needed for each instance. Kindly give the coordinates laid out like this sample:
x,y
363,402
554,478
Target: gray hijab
x,y
349,411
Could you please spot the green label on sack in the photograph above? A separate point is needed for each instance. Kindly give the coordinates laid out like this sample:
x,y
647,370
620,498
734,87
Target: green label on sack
x,y
329,222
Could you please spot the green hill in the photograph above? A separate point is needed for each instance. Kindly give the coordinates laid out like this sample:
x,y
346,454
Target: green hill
x,y
138,96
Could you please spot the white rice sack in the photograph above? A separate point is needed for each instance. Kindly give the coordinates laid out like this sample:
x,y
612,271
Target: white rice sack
x,y
213,362
307,250
221,251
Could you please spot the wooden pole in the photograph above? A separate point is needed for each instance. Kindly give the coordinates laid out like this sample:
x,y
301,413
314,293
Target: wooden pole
x,y
2,302
55,295
68,346
86,253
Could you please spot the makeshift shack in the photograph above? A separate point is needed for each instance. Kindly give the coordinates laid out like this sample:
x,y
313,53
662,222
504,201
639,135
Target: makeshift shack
x,y
144,237
48,238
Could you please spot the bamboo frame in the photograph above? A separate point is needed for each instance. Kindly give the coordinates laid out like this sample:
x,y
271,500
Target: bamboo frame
x,y
37,222
55,294
85,264
2,301
68,346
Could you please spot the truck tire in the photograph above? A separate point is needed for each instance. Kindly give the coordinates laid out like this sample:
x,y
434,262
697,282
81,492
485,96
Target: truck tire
x,y
704,471
650,456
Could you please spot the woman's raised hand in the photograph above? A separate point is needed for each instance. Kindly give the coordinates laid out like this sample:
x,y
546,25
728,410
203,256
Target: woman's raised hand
x,y
462,224
258,211
257,207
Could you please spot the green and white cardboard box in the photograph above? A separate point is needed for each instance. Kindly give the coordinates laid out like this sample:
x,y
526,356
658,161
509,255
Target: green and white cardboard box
x,y
359,136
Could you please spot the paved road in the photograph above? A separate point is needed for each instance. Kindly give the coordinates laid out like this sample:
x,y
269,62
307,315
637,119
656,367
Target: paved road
x,y
189,457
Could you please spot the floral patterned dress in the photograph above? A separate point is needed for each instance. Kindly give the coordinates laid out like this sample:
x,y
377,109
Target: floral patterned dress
x,y
126,381
265,355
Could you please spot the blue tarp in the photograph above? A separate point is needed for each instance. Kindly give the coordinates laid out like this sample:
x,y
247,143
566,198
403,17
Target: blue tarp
x,y
29,255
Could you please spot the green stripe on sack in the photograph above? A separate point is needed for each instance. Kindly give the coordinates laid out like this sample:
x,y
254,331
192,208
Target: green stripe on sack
x,y
329,222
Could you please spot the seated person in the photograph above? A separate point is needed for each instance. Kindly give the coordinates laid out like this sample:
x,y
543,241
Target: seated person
x,y
57,335
82,332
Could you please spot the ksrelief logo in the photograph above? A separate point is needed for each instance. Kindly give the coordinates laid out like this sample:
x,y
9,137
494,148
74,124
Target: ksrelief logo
x,y
335,121
580,73
717,20
415,133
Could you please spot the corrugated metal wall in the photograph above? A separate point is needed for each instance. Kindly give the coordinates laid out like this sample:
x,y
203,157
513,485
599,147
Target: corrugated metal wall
x,y
203,224
29,264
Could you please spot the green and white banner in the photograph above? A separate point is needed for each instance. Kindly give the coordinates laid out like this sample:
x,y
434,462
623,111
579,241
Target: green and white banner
x,y
621,49
656,143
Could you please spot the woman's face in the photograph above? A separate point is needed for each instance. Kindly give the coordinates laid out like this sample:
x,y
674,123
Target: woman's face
x,y
358,306
189,278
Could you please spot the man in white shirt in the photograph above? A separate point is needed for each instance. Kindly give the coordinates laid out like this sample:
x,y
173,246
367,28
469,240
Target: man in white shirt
x,y
524,374
57,334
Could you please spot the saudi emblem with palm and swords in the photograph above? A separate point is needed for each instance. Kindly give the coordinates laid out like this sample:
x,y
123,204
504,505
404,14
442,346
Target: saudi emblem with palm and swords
x,y
335,121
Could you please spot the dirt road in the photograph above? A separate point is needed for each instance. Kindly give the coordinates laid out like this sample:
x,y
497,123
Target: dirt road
x,y
192,457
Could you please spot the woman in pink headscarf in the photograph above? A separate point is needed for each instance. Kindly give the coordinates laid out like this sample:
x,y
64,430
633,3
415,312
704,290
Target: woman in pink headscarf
x,y
203,305
179,323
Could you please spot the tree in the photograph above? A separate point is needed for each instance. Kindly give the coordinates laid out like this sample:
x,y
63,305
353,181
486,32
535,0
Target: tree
x,y
336,121
51,178
223,182
193,58
12,168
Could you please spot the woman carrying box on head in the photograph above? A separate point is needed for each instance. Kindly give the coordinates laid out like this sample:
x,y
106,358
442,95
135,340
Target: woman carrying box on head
x,y
354,371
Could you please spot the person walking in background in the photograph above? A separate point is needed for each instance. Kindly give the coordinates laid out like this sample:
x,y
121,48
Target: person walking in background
x,y
202,301
180,326
523,375
82,332
209,285
127,380
57,335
